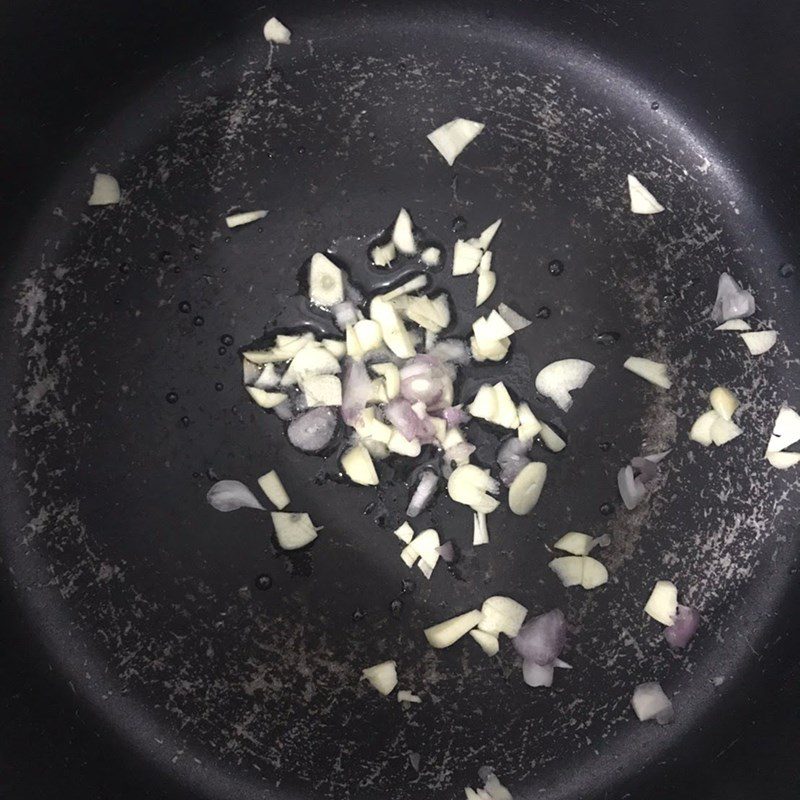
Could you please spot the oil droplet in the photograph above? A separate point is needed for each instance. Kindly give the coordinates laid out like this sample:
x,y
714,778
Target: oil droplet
x,y
185,421
227,240
263,582
408,586
458,224
124,268
543,313
222,350
218,386
197,321
301,150
184,306
172,397
605,446
606,509
654,105
176,269
555,267
786,270
165,257
226,339
396,607
117,301
358,615
607,338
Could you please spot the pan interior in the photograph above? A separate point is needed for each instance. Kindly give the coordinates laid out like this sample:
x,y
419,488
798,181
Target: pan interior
x,y
241,692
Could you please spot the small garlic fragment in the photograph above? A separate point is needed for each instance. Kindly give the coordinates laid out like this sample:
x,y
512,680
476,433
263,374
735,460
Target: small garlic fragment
x,y
642,202
662,605
276,32
245,218
649,370
105,191
759,342
451,138
446,633
272,487
382,677
525,490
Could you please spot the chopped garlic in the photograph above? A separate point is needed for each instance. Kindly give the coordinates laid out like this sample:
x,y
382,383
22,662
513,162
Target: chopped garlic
x,y
105,191
325,282
245,218
642,202
452,137
466,258
649,370
405,533
526,489
403,234
431,256
662,605
382,255
275,31
382,677
446,633
266,399
759,342
487,281
293,531
273,488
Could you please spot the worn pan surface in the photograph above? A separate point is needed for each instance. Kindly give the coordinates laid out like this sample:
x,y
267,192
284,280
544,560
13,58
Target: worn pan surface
x,y
123,400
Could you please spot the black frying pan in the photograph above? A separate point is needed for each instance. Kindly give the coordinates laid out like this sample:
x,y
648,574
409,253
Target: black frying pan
x,y
142,658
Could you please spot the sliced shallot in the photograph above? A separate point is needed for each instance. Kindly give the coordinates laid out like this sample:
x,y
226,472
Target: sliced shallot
x,y
543,638
230,495
313,430
356,390
512,459
685,625
733,302
423,493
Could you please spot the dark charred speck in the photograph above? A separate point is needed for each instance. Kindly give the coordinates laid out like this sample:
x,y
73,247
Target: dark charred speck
x,y
176,269
218,386
396,607
172,397
165,257
358,615
607,338
124,268
197,321
408,586
222,350
226,339
605,446
227,240
184,306
458,224
185,421
555,267
543,313
117,301
301,151
263,582
787,270
654,105
606,509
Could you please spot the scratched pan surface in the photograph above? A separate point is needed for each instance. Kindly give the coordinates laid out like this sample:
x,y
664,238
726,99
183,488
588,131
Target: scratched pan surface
x,y
143,597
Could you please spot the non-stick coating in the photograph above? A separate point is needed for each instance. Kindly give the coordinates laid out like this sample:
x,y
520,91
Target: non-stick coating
x,y
144,597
